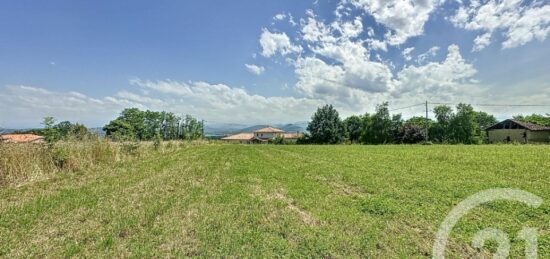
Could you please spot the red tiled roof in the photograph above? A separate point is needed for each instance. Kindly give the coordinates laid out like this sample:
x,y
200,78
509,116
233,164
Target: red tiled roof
x,y
240,136
269,130
20,138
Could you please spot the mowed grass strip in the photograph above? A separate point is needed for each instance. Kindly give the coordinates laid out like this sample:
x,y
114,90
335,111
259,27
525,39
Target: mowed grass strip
x,y
260,200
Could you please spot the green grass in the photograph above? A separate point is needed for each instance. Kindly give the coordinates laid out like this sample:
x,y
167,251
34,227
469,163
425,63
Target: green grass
x,y
252,201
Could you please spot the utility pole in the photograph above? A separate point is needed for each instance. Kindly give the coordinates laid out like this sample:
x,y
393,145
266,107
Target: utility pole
x,y
426,124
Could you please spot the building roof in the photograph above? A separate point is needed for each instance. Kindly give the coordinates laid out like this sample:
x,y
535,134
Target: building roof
x,y
240,136
511,123
20,138
269,130
292,135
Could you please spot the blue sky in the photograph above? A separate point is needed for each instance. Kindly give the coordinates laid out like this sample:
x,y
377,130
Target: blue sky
x,y
267,61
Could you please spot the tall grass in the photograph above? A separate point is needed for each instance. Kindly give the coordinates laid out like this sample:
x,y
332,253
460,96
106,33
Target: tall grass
x,y
25,162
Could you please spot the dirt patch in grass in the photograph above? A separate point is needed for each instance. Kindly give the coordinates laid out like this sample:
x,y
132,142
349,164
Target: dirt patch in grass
x,y
305,216
291,205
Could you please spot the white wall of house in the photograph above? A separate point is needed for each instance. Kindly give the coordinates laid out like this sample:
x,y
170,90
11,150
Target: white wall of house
x,y
517,135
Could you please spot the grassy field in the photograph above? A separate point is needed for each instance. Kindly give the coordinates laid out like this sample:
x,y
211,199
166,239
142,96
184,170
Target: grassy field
x,y
249,201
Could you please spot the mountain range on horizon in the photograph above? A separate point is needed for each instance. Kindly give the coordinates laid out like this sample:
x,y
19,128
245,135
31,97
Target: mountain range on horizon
x,y
217,129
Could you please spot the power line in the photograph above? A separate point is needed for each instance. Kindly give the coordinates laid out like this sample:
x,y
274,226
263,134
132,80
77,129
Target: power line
x,y
498,105
407,107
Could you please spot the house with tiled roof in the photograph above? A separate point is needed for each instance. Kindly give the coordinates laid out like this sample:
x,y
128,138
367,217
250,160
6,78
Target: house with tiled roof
x,y
21,138
518,131
264,135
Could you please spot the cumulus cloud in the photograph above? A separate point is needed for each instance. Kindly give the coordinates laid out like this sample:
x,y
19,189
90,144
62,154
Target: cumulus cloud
x,y
222,103
341,70
432,52
407,53
213,102
482,41
446,79
403,18
279,17
273,43
519,21
28,105
254,69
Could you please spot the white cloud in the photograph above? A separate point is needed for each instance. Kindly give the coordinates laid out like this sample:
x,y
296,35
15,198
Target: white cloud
x,y
254,69
377,44
482,41
27,106
446,79
214,102
273,43
222,103
404,18
407,53
279,17
291,20
432,52
518,21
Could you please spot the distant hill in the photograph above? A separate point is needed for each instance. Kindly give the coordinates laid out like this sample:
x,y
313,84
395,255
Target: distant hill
x,y
227,129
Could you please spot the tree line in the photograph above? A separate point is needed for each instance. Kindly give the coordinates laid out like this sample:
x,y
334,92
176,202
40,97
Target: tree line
x,y
461,125
135,124
53,131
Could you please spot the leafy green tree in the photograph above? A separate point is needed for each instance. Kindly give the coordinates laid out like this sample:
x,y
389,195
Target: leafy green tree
x,y
463,125
535,119
136,119
153,123
410,134
170,127
119,129
63,128
441,131
79,131
191,128
51,134
483,121
279,140
146,125
380,128
353,126
326,127
395,127
420,121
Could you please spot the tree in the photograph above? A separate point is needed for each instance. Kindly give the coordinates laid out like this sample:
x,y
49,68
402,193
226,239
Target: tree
x,y
51,134
63,128
191,128
136,119
79,131
483,121
153,123
535,119
170,127
463,125
396,125
119,130
380,128
279,140
353,126
420,121
441,131
326,127
411,134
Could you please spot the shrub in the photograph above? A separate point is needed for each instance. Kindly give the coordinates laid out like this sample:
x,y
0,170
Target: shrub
x,y
279,140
